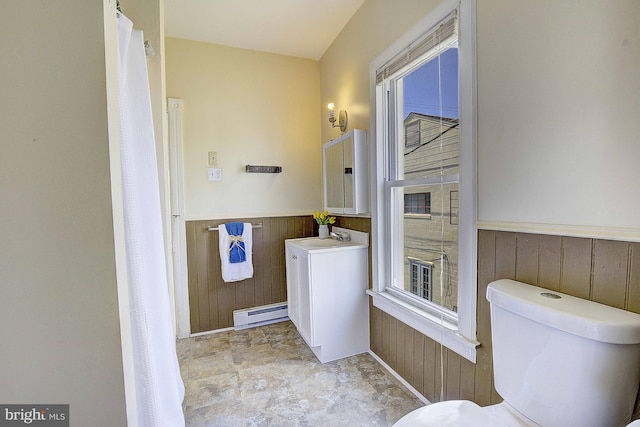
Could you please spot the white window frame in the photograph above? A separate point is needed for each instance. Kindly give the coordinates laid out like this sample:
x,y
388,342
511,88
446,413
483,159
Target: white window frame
x,y
458,336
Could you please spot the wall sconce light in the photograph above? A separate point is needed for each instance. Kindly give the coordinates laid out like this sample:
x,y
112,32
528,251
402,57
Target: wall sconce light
x,y
342,118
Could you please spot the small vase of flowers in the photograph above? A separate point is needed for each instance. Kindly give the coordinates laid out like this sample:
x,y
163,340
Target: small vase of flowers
x,y
323,219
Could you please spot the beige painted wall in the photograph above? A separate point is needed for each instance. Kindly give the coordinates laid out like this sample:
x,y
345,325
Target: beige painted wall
x,y
59,309
557,100
558,103
344,68
251,108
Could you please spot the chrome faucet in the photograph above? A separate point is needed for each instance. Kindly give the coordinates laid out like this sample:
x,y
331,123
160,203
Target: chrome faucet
x,y
341,236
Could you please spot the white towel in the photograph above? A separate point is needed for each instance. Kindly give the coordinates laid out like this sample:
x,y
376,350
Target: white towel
x,y
238,271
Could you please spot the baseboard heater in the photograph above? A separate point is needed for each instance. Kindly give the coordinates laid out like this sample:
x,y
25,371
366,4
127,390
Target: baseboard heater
x,y
258,316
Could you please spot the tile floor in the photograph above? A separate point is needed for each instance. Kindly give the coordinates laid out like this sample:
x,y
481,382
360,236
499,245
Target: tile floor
x,y
267,376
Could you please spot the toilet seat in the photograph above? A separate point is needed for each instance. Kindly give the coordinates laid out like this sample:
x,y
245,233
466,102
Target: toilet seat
x,y
462,413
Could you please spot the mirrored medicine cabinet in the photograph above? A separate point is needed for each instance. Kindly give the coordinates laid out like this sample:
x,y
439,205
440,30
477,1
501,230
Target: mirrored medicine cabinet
x,y
345,173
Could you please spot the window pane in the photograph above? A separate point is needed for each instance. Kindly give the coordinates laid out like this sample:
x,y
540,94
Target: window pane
x,y
431,240
426,282
424,224
414,279
430,114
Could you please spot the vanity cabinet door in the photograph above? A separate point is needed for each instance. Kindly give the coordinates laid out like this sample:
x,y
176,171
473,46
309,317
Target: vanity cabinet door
x,y
304,298
293,306
298,291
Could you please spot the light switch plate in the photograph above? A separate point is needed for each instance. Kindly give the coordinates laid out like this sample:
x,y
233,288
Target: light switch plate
x,y
215,174
213,158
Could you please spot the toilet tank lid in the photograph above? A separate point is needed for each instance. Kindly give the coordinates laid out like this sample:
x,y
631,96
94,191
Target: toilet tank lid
x,y
567,313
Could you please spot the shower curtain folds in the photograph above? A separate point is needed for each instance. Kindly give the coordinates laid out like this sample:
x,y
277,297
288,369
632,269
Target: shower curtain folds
x,y
159,387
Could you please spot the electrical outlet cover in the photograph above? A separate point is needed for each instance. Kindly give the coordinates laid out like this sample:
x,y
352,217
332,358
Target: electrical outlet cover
x,y
215,174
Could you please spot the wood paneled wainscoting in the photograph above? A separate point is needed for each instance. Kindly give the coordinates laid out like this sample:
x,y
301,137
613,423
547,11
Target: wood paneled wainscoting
x,y
604,271
211,300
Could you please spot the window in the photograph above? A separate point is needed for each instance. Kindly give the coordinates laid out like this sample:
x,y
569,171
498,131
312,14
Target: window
x,y
420,272
412,132
425,242
453,207
417,203
426,91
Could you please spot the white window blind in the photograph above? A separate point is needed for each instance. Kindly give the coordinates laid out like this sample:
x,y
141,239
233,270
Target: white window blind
x,y
446,29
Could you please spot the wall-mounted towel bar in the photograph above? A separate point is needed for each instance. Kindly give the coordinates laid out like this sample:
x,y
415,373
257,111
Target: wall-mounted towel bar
x,y
263,169
259,225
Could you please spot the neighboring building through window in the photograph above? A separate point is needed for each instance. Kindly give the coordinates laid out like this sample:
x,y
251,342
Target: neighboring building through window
x,y
421,278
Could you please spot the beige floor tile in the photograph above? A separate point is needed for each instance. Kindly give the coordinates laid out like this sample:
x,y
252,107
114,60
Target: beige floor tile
x,y
267,376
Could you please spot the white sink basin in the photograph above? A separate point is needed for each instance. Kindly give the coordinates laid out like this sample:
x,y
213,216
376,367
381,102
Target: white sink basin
x,y
316,242
312,244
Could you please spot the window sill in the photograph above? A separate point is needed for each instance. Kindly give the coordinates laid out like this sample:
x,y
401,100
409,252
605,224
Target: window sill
x,y
435,328
417,216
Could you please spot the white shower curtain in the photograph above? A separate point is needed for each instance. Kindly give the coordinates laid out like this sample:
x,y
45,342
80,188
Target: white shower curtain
x,y
159,387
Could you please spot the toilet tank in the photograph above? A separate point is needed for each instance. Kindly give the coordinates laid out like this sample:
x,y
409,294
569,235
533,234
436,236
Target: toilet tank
x,y
563,361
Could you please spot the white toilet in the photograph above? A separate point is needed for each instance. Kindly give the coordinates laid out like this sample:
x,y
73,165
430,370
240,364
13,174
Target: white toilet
x,y
559,361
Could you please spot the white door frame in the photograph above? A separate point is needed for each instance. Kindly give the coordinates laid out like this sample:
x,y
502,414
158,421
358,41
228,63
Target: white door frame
x,y
179,235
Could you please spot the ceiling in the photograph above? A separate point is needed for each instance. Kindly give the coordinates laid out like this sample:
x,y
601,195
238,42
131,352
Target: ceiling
x,y
302,28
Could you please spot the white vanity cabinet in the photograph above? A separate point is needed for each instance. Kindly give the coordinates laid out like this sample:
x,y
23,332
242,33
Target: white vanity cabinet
x,y
327,301
345,173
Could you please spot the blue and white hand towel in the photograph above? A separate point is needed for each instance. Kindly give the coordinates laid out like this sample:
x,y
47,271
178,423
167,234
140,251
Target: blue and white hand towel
x,y
236,242
235,251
